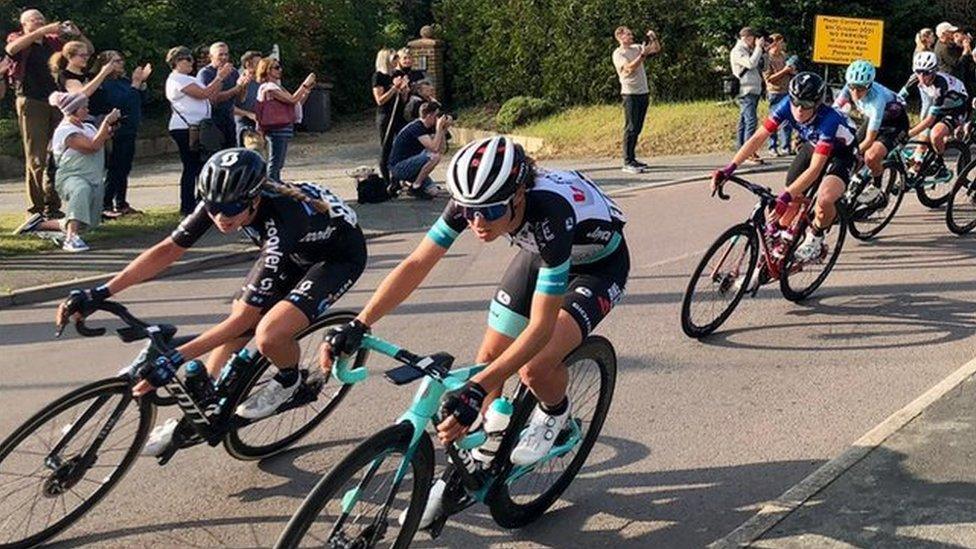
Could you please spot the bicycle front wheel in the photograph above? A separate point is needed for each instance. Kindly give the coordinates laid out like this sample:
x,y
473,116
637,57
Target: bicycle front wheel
x,y
799,279
868,217
720,281
934,194
961,210
314,401
360,502
528,492
60,463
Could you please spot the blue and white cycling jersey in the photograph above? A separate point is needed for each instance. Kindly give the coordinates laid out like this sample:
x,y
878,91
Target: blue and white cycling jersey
x,y
879,105
828,129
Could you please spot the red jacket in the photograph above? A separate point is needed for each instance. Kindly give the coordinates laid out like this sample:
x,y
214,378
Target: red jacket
x,y
17,68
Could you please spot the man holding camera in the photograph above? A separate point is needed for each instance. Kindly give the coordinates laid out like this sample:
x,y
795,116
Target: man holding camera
x,y
30,49
628,59
746,59
417,150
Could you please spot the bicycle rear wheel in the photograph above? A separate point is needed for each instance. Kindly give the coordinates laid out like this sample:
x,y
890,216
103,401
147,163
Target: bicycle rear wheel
x,y
719,281
528,492
359,500
961,210
868,218
935,195
798,280
315,400
66,458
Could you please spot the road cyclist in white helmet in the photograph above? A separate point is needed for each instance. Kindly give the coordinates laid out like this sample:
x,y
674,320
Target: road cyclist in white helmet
x,y
945,107
570,270
885,122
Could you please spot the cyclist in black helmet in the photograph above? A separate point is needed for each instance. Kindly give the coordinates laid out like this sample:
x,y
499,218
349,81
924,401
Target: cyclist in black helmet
x,y
312,252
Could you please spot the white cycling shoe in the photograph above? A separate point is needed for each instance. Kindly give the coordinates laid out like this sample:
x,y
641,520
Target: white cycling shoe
x,y
810,249
435,504
267,400
539,436
160,437
868,195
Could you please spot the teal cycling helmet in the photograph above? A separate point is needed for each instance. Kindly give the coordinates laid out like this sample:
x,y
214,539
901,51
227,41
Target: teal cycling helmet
x,y
860,73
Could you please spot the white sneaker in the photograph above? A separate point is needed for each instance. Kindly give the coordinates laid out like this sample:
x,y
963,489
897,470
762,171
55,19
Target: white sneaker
x,y
435,503
264,402
160,437
539,436
810,249
869,194
74,244
30,224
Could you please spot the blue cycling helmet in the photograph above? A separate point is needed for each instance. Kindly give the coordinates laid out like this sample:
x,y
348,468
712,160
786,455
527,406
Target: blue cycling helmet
x,y
860,73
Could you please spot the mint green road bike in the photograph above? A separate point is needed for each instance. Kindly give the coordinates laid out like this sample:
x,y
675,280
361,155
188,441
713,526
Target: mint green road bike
x,y
375,496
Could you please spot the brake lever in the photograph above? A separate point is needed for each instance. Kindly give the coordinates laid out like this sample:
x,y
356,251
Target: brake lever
x,y
86,331
721,193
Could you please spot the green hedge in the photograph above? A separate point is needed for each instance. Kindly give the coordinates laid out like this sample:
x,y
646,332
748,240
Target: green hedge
x,y
522,110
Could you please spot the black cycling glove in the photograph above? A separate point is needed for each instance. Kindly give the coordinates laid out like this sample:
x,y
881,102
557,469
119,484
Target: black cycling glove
x,y
464,404
346,339
86,302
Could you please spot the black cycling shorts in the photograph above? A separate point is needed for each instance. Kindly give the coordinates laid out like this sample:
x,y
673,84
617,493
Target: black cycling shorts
x,y
892,133
311,286
593,291
841,163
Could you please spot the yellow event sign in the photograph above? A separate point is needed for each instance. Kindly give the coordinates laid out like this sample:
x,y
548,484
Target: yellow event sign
x,y
840,40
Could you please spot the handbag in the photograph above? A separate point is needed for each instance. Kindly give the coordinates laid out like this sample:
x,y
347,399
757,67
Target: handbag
x,y
204,137
273,114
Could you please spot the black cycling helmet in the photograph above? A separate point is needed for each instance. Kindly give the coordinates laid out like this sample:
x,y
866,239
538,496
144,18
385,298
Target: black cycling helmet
x,y
807,90
231,175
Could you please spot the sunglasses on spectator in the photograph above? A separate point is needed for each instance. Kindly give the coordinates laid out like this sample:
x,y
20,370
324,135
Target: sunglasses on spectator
x,y
488,213
803,103
229,209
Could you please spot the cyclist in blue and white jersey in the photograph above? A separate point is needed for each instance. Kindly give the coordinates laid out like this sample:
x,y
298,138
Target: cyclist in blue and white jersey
x,y
885,124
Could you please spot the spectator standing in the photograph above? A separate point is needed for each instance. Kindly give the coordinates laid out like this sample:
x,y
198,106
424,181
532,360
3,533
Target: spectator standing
x,y
777,74
190,103
245,119
404,66
268,74
390,94
222,103
417,150
420,93
925,40
70,67
127,95
31,48
77,147
628,59
746,59
946,49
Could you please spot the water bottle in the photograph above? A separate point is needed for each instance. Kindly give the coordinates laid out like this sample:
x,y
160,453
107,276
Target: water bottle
x,y
232,371
198,382
496,421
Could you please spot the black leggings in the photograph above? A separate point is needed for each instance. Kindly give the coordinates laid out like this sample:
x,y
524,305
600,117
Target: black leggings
x,y
192,164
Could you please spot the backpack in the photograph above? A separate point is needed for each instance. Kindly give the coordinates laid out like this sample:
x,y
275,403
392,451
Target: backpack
x,y
371,190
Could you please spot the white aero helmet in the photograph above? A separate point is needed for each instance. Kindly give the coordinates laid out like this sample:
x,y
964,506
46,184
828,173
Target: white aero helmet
x,y
486,172
925,61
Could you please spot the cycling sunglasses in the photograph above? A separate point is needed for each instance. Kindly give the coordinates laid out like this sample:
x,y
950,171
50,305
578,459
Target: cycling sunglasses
x,y
229,209
924,73
488,213
859,88
803,103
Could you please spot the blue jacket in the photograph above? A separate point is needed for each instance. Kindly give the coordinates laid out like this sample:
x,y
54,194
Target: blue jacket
x,y
119,94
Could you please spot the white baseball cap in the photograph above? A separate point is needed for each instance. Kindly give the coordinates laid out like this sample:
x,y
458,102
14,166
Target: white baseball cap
x,y
944,27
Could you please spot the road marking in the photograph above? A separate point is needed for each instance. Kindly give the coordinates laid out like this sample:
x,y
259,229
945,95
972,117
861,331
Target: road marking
x,y
791,500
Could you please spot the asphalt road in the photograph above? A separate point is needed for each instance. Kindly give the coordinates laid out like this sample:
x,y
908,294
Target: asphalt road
x,y
700,434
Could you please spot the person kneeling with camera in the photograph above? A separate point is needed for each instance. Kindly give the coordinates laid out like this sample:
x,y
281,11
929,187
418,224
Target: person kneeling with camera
x,y
417,150
79,154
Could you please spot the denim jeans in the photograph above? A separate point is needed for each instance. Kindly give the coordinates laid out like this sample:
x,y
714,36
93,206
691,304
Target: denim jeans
x,y
747,117
783,137
277,151
192,164
408,169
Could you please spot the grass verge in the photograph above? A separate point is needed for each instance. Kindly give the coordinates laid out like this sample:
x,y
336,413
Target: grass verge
x,y
673,128
153,222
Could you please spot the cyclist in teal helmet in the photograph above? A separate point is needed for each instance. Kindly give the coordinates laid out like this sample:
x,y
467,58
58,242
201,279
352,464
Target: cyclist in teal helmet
x,y
885,121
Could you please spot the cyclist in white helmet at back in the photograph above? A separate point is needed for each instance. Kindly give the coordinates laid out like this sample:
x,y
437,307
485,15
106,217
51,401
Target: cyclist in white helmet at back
x,y
885,124
945,106
569,272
